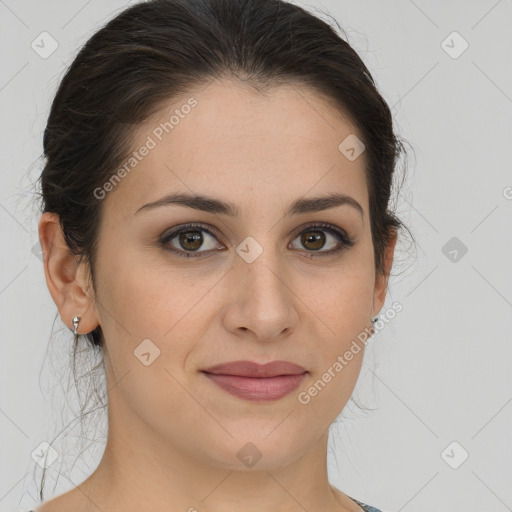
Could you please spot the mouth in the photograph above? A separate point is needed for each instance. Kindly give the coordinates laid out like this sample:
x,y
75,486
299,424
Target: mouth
x,y
257,382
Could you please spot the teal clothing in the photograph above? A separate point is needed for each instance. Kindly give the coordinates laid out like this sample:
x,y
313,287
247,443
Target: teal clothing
x,y
366,508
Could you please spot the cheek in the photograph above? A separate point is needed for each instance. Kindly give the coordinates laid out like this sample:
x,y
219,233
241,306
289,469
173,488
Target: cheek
x,y
340,307
340,299
342,327
143,300
144,319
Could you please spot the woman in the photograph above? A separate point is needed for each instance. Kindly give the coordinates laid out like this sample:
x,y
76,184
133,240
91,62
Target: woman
x,y
215,221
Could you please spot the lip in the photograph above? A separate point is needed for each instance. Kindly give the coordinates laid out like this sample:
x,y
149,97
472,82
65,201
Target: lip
x,y
257,382
253,369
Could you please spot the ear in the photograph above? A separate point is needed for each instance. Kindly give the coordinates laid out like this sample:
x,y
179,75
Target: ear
x,y
68,280
381,280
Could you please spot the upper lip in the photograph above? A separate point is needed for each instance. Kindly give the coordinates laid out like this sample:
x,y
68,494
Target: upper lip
x,y
253,369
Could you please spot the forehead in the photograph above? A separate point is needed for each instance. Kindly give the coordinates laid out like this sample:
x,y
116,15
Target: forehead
x,y
230,140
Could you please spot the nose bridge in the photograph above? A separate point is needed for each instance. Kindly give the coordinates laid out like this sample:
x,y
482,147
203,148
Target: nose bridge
x,y
259,265
263,300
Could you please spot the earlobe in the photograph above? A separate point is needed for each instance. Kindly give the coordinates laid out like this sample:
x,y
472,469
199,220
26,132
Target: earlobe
x,y
66,277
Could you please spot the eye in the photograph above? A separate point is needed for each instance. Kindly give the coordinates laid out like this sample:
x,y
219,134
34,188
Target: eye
x,y
186,241
313,238
189,238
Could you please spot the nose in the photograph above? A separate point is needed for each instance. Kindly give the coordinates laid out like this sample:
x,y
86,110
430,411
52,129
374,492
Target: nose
x,y
263,301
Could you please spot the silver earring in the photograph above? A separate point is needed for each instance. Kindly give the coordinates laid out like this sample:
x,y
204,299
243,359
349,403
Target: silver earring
x,y
76,319
374,321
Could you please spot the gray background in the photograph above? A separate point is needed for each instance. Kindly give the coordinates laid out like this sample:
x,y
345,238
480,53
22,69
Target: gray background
x,y
438,373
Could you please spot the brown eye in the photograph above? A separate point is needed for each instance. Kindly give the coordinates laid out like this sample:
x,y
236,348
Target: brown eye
x,y
187,240
314,238
190,240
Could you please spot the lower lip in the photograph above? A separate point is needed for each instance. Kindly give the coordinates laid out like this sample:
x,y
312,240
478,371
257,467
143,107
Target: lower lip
x,y
254,388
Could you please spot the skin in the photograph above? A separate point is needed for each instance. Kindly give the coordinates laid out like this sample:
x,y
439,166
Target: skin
x,y
173,434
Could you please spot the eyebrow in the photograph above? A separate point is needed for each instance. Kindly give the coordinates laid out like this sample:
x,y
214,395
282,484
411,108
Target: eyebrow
x,y
215,206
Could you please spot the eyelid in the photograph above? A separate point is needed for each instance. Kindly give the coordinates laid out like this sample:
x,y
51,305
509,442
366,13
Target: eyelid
x,y
322,225
190,226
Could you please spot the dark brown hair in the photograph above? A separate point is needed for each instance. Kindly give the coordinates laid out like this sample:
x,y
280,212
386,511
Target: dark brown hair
x,y
155,50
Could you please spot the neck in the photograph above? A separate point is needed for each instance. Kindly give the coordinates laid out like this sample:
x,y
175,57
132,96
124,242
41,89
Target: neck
x,y
141,471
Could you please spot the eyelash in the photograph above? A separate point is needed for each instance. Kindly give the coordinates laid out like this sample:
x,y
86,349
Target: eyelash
x,y
345,241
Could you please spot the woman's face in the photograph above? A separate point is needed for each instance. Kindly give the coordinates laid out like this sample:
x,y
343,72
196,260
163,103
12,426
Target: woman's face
x,y
263,285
